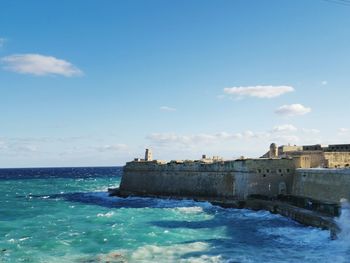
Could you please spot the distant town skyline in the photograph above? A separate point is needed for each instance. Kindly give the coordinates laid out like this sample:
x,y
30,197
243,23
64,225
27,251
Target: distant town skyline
x,y
91,83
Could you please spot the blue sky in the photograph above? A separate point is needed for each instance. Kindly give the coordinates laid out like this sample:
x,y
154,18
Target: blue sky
x,y
96,82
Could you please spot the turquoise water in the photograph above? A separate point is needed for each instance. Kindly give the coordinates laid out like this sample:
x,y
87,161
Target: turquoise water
x,y
70,218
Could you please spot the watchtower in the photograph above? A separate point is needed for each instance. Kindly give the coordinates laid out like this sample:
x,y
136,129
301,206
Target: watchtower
x,y
273,151
148,155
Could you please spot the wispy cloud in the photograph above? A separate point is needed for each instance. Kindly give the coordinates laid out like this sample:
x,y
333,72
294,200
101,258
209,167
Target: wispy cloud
x,y
324,82
39,65
9,147
258,91
292,110
281,134
284,128
112,147
343,131
2,41
165,139
166,108
312,131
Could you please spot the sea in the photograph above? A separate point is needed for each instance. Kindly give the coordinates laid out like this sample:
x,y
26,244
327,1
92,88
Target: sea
x,y
66,215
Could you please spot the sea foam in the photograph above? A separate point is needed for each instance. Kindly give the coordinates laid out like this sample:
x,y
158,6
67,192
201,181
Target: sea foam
x,y
174,253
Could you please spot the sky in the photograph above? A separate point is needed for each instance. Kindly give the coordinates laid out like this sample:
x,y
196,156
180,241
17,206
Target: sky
x,y
94,83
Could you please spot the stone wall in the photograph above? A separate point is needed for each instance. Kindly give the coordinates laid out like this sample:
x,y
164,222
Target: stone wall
x,y
337,159
183,180
329,185
268,177
231,179
309,159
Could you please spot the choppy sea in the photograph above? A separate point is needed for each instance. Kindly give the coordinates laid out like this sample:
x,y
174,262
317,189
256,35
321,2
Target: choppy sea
x,y
66,215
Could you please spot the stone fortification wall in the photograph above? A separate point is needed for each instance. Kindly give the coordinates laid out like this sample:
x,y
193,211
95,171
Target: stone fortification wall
x,y
234,179
268,177
309,159
337,159
329,185
192,179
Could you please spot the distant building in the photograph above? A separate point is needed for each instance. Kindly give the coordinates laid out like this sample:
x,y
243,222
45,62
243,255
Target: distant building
x,y
313,156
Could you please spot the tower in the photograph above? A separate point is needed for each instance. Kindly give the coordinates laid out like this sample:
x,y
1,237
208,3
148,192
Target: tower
x,y
148,155
273,151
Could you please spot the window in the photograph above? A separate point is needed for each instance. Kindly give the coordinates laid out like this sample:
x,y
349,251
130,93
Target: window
x,y
288,170
267,170
259,170
280,170
264,175
281,174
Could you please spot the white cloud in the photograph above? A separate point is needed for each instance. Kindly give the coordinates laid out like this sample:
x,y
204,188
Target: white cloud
x,y
172,138
166,108
166,139
285,128
343,131
229,142
39,65
15,148
324,82
313,131
292,110
258,91
2,41
112,147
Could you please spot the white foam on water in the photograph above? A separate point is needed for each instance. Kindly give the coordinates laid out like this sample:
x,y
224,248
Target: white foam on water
x,y
190,210
23,238
259,214
109,214
78,258
174,253
341,246
320,248
344,221
297,235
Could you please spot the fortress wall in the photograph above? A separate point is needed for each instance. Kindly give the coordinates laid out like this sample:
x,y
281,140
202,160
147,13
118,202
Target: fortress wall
x,y
236,179
268,177
329,185
181,180
337,159
309,159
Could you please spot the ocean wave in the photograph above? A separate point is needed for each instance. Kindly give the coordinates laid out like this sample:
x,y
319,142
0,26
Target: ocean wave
x,y
297,235
109,214
190,209
176,253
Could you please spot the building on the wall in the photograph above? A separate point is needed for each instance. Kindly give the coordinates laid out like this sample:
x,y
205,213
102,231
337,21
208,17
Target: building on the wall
x,y
283,150
313,156
338,148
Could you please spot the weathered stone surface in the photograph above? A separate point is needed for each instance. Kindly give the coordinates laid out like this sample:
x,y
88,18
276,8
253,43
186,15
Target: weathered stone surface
x,y
234,179
327,185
